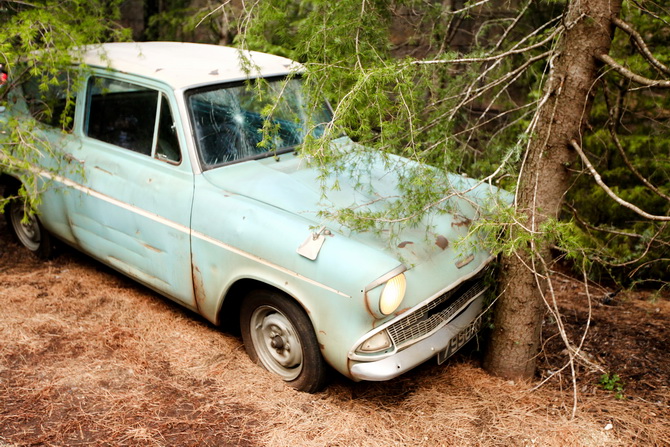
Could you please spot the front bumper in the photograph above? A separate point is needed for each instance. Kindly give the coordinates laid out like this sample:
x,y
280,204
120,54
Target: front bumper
x,y
417,353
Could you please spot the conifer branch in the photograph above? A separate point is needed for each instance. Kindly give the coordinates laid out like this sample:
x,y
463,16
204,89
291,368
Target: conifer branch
x,y
609,191
623,71
467,8
632,168
506,54
615,116
615,232
18,2
642,46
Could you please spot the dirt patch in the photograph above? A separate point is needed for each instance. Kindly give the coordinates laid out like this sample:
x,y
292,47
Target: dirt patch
x,y
87,357
628,335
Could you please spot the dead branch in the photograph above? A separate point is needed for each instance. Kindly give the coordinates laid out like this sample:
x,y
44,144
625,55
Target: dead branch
x,y
213,11
632,168
496,117
611,193
631,274
615,115
474,91
649,244
642,46
615,232
21,3
497,57
513,25
651,13
623,71
466,8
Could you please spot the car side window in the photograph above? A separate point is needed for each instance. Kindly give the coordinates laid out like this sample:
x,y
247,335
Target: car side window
x,y
52,102
132,117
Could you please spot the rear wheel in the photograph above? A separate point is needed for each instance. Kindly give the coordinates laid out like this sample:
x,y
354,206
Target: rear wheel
x,y
28,229
278,335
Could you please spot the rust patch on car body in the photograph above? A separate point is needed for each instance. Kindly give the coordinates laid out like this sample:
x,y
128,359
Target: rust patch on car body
x,y
465,261
461,221
442,242
152,248
198,287
401,311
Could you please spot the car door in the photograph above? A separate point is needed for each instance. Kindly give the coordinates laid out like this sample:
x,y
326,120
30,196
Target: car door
x,y
45,116
131,201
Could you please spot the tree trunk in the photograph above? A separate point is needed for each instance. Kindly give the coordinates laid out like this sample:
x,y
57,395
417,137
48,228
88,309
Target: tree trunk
x,y
544,181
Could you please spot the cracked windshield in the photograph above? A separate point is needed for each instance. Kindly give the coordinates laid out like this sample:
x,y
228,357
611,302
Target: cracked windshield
x,y
246,121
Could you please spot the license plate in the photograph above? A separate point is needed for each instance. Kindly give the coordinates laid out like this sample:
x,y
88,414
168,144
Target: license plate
x,y
459,340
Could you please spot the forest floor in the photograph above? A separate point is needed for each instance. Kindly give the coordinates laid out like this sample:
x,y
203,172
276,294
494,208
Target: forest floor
x,y
88,357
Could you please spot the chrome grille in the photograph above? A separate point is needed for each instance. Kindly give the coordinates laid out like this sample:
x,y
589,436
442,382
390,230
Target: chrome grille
x,y
426,319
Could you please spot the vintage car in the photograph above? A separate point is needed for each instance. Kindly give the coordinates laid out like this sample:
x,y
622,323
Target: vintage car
x,y
162,170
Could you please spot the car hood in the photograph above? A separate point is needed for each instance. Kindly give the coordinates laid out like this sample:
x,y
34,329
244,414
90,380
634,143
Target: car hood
x,y
288,183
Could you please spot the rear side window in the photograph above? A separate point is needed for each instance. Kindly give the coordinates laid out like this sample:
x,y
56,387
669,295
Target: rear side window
x,y
133,117
51,101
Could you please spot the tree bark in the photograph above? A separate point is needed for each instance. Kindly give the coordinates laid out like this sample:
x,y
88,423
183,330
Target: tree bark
x,y
544,180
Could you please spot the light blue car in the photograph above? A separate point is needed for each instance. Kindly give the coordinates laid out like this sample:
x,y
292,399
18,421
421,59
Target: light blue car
x,y
178,168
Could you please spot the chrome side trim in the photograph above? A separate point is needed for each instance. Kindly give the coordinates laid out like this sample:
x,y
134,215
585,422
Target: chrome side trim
x,y
237,251
182,228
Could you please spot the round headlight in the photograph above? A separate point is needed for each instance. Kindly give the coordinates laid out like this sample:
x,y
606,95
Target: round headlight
x,y
392,295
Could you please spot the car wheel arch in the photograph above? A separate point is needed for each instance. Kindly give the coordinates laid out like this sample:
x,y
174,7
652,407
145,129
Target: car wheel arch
x,y
9,182
229,307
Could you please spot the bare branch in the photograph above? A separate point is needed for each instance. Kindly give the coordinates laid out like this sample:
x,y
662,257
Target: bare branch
x,y
512,26
632,168
474,91
479,123
615,232
466,8
212,12
651,13
644,50
649,242
17,2
623,71
631,274
611,193
615,115
470,60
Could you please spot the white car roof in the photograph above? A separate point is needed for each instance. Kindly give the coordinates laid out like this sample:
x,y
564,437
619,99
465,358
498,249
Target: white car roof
x,y
181,64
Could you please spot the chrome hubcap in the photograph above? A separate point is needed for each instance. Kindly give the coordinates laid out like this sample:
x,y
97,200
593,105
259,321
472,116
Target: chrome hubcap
x,y
277,342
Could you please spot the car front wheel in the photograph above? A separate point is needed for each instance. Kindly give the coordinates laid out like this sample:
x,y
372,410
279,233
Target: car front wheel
x,y
278,335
